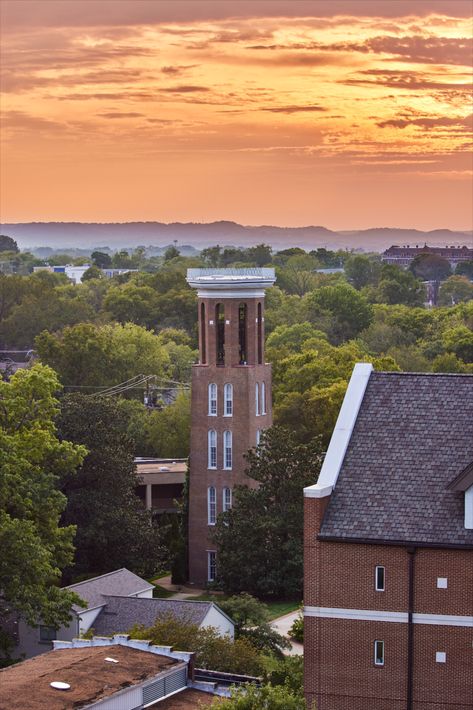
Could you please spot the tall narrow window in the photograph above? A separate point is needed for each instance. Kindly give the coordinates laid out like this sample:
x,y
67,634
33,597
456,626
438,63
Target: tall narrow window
x,y
220,339
212,453
257,410
379,579
203,334
211,566
227,445
212,400
379,653
242,310
228,397
258,437
263,398
212,505
227,499
260,334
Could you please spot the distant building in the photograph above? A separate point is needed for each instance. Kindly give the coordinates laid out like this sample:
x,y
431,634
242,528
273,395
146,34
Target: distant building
x,y
75,273
161,483
403,256
388,548
231,399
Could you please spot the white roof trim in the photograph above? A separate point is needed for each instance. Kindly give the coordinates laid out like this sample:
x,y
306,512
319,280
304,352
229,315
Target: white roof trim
x,y
342,433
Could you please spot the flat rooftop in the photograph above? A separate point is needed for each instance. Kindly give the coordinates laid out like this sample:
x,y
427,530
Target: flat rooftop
x,y
91,677
160,466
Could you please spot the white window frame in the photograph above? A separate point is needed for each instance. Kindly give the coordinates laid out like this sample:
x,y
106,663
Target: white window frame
x,y
212,399
211,505
257,402
377,662
228,400
212,449
258,437
211,565
378,587
226,499
227,450
263,398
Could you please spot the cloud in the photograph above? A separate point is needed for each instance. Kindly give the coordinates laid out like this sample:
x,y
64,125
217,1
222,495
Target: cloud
x,y
184,89
412,49
428,122
76,13
120,114
292,109
403,80
177,69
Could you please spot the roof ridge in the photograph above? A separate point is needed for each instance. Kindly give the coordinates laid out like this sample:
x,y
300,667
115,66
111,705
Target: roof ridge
x,y
422,374
158,599
107,574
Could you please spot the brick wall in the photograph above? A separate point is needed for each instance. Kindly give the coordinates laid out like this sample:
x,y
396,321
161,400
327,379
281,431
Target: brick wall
x,y
339,653
243,424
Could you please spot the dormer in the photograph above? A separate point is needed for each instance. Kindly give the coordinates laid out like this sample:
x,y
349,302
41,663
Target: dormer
x,y
464,482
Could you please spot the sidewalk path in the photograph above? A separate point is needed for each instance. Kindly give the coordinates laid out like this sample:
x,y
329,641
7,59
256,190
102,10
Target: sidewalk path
x,y
282,625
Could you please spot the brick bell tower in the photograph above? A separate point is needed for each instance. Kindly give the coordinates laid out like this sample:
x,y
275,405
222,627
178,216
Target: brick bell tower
x,y
231,399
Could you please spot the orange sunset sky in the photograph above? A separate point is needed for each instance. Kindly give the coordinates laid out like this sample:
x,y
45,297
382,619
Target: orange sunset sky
x,y
347,113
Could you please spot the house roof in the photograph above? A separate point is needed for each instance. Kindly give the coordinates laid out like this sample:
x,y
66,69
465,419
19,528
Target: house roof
x,y
91,678
121,613
412,437
121,581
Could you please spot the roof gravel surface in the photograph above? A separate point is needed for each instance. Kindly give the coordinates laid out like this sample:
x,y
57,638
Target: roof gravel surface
x,y
26,685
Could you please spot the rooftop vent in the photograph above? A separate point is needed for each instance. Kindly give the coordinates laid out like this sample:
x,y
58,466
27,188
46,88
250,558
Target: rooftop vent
x,y
59,685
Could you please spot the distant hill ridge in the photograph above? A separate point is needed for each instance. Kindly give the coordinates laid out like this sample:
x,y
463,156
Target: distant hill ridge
x,y
199,235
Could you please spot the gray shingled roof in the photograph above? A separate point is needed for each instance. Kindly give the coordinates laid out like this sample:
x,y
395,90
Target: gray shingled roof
x,y
121,581
121,613
412,438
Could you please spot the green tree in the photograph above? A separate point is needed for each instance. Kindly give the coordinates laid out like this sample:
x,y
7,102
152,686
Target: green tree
x,y
168,429
259,541
8,244
265,697
455,289
130,303
362,270
430,267
171,253
213,651
101,356
101,259
260,254
397,286
33,462
251,622
113,528
348,308
93,272
51,310
465,268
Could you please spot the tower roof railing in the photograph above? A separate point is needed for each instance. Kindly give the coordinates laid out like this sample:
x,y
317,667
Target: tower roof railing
x,y
251,271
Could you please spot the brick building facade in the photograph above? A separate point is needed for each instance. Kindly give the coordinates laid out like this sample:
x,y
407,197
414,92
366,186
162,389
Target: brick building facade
x,y
388,546
404,255
231,399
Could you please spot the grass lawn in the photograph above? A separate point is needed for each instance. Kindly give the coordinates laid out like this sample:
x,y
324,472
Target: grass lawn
x,y
279,608
276,608
162,593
